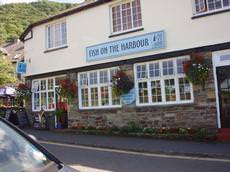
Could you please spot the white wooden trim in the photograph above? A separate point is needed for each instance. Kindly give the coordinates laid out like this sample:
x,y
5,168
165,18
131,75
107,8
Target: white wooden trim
x,y
217,63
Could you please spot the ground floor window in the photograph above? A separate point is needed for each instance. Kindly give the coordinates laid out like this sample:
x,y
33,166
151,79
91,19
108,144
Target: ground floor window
x,y
95,89
162,82
43,94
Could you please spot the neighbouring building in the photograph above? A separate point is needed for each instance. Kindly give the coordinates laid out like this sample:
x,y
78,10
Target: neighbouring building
x,y
149,40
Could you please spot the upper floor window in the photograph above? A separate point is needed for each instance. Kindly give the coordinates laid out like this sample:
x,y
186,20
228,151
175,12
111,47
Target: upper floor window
x,y
56,35
126,16
203,6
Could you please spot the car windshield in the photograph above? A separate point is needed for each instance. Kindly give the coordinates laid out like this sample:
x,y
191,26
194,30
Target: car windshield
x,y
17,154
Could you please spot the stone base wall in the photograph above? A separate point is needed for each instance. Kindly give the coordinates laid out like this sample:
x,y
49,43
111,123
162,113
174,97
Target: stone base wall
x,y
201,113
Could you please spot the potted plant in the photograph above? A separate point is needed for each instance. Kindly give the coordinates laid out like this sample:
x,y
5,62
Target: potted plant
x,y
23,92
197,70
121,83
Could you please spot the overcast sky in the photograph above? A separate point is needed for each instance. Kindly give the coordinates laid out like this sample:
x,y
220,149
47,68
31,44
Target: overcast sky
x,y
15,1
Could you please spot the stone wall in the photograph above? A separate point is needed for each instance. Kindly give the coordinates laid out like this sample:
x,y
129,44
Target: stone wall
x,y
201,113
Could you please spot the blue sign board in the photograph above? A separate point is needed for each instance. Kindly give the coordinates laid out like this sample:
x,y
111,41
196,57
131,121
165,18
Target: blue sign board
x,y
146,42
21,67
129,98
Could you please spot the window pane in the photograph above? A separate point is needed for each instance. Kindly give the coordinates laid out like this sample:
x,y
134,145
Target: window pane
x,y
226,3
168,67
156,91
50,84
115,99
83,79
143,92
185,89
154,70
36,101
137,18
180,67
43,85
93,78
126,16
85,97
170,91
214,4
50,35
51,101
113,72
57,35
43,101
116,18
200,6
63,33
104,76
141,71
104,96
94,97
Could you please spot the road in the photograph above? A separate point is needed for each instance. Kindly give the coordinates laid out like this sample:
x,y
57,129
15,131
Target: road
x,y
89,159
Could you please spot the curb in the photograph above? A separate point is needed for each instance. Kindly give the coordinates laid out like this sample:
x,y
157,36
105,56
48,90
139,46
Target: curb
x,y
186,154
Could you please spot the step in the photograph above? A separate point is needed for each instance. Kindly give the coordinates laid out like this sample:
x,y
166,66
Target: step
x,y
223,136
224,130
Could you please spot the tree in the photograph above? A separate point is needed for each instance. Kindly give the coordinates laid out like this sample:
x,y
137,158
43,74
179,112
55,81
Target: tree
x,y
6,71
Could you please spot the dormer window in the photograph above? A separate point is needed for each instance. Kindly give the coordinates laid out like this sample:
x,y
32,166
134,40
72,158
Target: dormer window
x,y
126,16
56,35
209,6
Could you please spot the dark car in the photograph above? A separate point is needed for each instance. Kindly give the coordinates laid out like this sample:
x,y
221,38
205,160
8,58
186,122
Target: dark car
x,y
21,153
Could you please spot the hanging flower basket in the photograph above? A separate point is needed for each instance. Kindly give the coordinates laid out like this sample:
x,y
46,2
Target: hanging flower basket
x,y
197,70
23,91
67,89
121,83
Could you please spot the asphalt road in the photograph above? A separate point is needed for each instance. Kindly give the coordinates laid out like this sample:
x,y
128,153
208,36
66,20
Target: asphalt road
x,y
88,159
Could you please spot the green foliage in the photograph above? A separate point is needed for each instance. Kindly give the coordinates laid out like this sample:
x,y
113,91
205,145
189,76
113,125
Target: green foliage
x,y
14,18
6,72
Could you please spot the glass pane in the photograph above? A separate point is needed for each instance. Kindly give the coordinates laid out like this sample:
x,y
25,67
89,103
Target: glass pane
x,y
93,78
154,70
85,97
116,18
43,85
94,96
104,76
141,71
200,6
170,91
36,101
185,89
43,101
226,3
137,18
63,33
50,84
83,79
214,4
104,96
156,91
168,67
143,92
180,67
51,101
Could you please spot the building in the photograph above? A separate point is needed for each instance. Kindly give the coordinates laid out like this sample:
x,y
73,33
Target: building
x,y
149,40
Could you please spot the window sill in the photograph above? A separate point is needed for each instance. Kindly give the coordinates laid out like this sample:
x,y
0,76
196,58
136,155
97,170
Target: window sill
x,y
126,32
55,49
210,13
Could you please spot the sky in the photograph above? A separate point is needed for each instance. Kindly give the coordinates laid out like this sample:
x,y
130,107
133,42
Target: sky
x,y
16,1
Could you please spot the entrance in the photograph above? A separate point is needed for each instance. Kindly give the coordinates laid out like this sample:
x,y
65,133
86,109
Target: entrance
x,y
223,77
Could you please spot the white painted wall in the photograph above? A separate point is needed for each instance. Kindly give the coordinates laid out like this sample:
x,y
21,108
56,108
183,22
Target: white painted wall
x,y
92,27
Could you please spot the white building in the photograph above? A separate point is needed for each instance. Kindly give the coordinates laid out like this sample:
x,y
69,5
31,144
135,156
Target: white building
x,y
149,40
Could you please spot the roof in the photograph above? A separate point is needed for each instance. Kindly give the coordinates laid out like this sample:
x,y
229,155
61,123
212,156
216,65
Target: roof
x,y
15,50
83,7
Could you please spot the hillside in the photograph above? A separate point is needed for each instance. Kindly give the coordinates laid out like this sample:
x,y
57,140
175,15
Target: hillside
x,y
14,18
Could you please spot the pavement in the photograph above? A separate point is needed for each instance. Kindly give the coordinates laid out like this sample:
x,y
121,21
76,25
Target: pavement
x,y
146,145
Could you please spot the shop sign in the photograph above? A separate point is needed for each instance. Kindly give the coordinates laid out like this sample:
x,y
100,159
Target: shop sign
x,y
129,98
146,42
21,67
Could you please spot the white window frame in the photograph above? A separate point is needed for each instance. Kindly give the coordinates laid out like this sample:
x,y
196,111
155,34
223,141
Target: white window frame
x,y
52,25
207,11
162,78
111,18
43,91
98,86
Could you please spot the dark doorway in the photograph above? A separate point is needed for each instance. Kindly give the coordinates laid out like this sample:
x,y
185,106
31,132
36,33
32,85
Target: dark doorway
x,y
223,76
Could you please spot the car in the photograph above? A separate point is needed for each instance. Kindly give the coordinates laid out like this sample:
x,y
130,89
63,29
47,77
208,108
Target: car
x,y
20,152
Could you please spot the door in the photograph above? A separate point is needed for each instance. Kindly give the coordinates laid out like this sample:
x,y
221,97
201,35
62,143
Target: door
x,y
223,76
